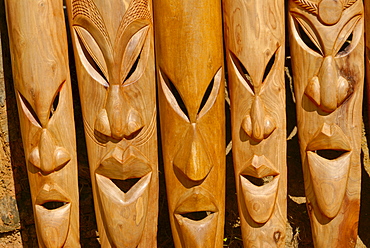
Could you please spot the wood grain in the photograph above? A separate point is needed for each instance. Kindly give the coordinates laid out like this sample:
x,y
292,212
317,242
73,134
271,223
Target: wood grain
x,y
189,59
113,46
255,45
43,91
327,48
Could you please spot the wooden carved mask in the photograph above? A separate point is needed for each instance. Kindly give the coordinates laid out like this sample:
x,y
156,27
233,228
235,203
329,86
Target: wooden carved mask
x,y
43,91
327,48
115,65
254,34
191,98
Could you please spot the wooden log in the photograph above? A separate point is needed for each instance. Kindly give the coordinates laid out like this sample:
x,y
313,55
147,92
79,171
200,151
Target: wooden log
x,y
38,45
191,99
327,47
113,46
255,46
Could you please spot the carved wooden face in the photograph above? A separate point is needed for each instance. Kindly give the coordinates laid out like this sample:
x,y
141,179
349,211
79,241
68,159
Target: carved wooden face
x,y
326,40
114,46
255,57
191,96
43,92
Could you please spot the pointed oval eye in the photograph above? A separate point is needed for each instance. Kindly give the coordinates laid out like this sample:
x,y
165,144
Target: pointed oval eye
x,y
307,35
173,96
29,111
132,63
211,93
91,56
348,37
269,66
55,103
245,76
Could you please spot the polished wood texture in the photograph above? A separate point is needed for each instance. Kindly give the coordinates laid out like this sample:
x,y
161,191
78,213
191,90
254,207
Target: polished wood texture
x,y
327,48
191,99
367,51
113,45
43,90
255,45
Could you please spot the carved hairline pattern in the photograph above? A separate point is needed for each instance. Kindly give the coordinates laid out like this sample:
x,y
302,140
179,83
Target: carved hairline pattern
x,y
137,10
313,7
88,9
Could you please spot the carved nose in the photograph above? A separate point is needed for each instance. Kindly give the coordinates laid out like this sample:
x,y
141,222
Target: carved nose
x,y
192,158
328,90
47,156
258,125
118,119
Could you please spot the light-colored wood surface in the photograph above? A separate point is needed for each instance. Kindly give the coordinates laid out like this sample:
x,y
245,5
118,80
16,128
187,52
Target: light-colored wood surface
x,y
255,45
191,100
327,48
43,90
113,45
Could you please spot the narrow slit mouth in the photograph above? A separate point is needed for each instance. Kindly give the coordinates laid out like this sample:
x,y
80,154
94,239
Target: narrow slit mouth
x,y
54,205
330,154
125,185
197,216
259,181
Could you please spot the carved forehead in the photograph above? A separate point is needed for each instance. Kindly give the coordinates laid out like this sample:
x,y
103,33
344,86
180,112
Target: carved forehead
x,y
112,16
190,46
40,53
328,12
255,32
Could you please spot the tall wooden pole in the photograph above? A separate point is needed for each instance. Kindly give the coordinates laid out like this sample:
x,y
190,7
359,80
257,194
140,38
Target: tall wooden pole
x,y
43,90
327,48
113,45
191,100
255,45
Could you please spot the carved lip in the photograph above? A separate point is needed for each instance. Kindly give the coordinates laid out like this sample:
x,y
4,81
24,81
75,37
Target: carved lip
x,y
196,200
201,232
124,214
330,137
329,174
53,223
124,163
259,200
51,193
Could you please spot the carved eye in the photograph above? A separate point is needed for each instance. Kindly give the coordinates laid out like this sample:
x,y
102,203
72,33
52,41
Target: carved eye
x,y
307,35
348,37
269,66
54,105
28,111
211,93
175,96
197,216
132,66
91,56
248,83
52,205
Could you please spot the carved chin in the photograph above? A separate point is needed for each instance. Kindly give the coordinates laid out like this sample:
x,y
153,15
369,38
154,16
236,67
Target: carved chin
x,y
123,214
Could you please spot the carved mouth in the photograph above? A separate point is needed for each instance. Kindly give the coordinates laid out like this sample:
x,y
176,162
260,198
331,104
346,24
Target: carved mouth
x,y
197,218
329,157
123,180
259,182
52,211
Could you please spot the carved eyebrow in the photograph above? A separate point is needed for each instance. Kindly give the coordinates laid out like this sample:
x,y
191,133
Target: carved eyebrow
x,y
346,36
29,111
176,95
243,72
